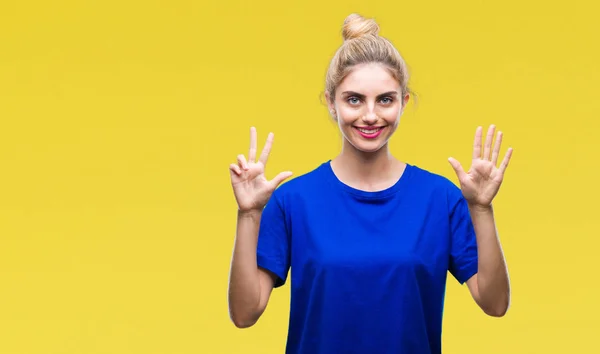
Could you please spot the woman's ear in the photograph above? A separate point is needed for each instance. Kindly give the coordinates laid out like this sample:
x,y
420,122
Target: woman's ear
x,y
331,106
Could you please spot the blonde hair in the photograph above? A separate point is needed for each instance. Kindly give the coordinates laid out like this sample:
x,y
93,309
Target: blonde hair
x,y
362,45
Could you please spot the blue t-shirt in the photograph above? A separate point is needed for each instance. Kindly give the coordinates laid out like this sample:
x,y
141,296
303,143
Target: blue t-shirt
x,y
368,269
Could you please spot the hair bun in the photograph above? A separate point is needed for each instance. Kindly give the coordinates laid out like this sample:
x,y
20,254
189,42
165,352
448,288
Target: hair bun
x,y
356,26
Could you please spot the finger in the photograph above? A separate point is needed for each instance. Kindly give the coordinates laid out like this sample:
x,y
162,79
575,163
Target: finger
x,y
496,151
477,144
252,152
460,172
506,160
242,162
280,178
264,156
236,169
488,142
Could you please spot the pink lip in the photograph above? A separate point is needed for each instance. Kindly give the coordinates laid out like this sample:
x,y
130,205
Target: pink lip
x,y
370,136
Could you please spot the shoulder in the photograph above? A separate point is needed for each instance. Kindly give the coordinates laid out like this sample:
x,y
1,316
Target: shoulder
x,y
306,183
433,182
429,178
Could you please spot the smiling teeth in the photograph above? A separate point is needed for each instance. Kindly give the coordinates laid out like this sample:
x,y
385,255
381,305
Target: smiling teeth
x,y
369,131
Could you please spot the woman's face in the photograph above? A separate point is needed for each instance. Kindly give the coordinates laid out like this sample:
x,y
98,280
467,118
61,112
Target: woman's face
x,y
367,106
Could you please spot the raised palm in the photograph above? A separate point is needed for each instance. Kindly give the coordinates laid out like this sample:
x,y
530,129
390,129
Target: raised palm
x,y
481,183
251,188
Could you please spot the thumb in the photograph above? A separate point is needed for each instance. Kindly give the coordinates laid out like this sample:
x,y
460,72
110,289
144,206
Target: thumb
x,y
458,169
280,178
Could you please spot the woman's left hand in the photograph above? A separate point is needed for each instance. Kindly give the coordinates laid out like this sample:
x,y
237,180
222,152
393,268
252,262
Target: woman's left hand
x,y
481,183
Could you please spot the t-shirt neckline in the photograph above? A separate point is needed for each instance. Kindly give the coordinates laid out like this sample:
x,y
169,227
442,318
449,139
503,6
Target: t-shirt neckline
x,y
337,183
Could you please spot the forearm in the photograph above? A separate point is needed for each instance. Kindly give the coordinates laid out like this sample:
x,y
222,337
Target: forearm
x,y
244,280
492,277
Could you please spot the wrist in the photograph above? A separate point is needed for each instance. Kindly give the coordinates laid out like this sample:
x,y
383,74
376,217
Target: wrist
x,y
480,208
250,213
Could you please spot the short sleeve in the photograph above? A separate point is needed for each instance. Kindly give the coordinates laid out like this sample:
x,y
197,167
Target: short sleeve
x,y
463,244
273,249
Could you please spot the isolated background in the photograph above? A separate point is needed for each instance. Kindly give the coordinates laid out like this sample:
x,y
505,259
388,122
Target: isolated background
x,y
118,120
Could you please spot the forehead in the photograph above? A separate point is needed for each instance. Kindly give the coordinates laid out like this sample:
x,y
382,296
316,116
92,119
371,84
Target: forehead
x,y
369,79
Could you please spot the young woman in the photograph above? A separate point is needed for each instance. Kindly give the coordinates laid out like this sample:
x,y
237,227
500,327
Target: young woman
x,y
369,239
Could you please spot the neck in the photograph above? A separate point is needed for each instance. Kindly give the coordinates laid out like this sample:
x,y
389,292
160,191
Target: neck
x,y
367,170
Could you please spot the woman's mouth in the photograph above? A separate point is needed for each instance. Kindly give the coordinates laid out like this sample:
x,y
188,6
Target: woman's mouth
x,y
369,132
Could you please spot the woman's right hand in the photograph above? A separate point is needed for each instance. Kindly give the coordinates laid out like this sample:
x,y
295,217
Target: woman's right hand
x,y
251,188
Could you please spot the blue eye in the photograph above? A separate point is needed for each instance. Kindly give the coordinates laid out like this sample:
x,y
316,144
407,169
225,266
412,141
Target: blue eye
x,y
353,100
387,99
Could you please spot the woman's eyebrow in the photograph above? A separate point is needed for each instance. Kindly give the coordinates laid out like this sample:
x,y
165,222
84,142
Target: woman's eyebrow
x,y
353,93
